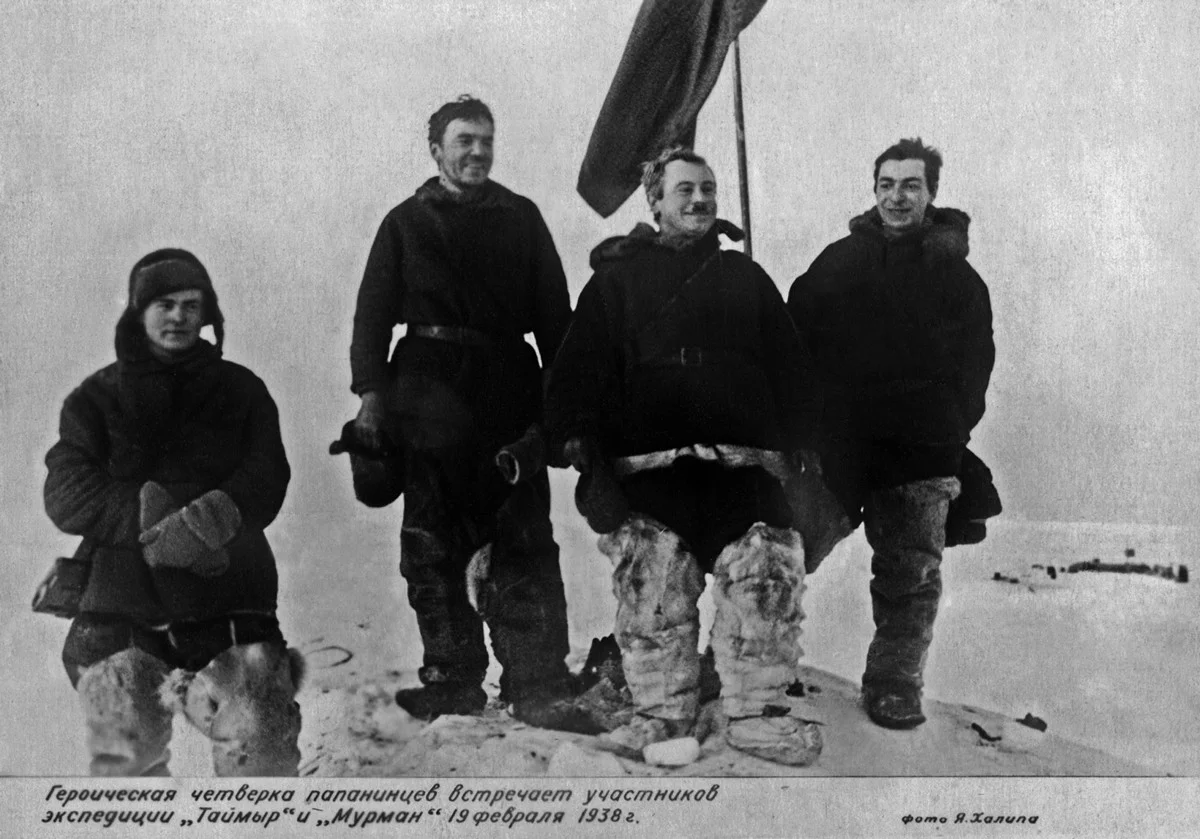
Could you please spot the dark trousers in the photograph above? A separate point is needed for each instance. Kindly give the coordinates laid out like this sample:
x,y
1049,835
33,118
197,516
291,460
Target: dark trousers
x,y
454,504
906,528
903,494
707,505
94,637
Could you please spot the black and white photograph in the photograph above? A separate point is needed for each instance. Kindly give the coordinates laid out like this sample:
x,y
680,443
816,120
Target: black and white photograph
x,y
789,404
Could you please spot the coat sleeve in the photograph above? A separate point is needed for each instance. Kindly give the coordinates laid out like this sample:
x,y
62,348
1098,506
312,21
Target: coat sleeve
x,y
377,310
553,302
978,352
81,496
799,305
796,387
582,388
259,483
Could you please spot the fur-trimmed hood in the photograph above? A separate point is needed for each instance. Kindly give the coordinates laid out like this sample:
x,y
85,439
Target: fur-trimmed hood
x,y
943,235
617,248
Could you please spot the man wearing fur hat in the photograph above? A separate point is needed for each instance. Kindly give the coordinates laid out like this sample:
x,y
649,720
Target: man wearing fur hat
x,y
900,326
682,391
170,465
471,268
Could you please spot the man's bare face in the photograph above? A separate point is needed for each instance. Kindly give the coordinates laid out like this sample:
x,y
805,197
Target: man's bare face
x,y
902,194
688,207
173,321
464,156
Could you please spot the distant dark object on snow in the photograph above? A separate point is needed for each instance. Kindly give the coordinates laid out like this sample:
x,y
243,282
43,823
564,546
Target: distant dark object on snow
x,y
1182,576
1130,553
1165,571
1053,574
1033,722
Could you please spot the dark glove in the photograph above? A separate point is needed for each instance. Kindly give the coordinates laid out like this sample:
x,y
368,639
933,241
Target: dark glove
x,y
966,521
598,494
817,515
193,539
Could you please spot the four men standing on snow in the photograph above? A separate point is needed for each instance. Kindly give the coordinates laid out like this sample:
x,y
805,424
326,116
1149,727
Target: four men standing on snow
x,y
689,399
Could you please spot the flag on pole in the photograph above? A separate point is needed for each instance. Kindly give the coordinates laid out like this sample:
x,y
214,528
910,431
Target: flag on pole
x,y
670,65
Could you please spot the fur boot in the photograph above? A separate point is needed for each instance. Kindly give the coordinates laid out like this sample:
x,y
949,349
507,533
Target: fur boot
x,y
657,583
245,702
758,583
128,728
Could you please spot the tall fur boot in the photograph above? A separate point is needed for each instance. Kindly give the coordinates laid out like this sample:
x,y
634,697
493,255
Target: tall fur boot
x,y
657,583
128,728
758,584
245,702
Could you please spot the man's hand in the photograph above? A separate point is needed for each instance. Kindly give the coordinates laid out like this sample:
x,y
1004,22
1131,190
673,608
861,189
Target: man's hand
x,y
369,422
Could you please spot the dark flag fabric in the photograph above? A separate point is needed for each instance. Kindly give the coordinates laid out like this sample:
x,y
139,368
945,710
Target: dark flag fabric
x,y
670,65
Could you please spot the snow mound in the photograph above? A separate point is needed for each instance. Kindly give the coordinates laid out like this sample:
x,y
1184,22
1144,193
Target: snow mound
x,y
359,731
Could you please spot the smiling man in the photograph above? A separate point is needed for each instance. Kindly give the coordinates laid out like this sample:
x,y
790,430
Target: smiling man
x,y
471,268
900,327
680,391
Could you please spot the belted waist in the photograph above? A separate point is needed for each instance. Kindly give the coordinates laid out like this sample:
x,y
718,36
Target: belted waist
x,y
460,335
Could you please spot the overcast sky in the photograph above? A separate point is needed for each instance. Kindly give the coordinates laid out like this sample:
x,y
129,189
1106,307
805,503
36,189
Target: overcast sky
x,y
270,138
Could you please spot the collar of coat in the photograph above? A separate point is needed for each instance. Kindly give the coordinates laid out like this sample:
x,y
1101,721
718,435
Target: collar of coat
x,y
490,194
618,248
943,236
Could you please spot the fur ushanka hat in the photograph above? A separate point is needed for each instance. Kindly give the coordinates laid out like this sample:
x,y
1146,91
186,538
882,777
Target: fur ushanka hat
x,y
160,273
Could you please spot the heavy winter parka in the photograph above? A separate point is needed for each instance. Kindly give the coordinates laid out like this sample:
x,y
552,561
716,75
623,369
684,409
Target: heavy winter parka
x,y
204,423
671,348
900,330
488,265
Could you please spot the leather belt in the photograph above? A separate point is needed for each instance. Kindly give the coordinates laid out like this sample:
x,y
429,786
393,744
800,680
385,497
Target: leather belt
x,y
454,334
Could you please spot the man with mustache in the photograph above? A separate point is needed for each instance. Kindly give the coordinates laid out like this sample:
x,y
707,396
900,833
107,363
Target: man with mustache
x,y
680,391
900,326
471,268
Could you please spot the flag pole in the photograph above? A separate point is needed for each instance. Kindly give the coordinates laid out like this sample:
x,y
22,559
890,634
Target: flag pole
x,y
739,117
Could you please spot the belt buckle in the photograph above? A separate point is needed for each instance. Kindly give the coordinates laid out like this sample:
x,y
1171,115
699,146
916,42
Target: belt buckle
x,y
691,356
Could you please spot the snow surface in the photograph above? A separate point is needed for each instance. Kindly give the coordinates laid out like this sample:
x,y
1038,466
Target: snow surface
x,y
1107,660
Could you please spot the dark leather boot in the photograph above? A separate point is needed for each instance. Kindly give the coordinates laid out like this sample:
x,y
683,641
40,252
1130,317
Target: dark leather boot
x,y
556,706
436,698
893,705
